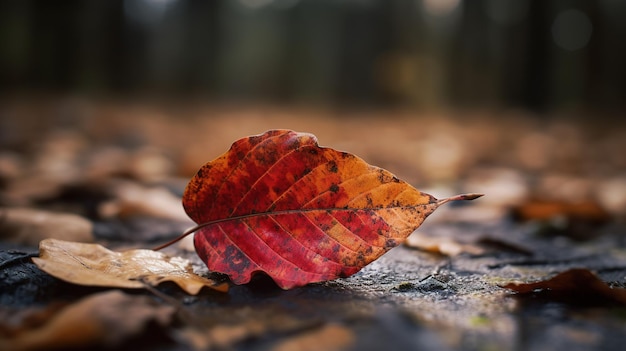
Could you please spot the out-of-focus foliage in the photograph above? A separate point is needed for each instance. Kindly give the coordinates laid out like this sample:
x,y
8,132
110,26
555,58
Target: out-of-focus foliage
x,y
529,53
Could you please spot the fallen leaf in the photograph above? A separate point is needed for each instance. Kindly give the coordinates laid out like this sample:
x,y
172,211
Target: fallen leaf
x,y
279,203
14,320
132,199
28,226
578,286
329,337
100,320
577,220
544,210
94,265
224,334
441,245
501,244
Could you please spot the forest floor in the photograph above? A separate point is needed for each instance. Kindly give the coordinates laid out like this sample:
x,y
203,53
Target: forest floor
x,y
113,173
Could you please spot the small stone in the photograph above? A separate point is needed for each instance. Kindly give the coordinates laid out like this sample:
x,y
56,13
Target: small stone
x,y
431,283
405,286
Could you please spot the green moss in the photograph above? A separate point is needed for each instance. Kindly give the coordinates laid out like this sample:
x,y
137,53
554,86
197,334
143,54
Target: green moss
x,y
479,321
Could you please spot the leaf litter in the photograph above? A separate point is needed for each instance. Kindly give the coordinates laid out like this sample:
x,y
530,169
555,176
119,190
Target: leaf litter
x,y
402,161
92,322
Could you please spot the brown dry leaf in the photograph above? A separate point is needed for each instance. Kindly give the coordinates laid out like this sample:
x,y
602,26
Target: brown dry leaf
x,y
579,220
28,226
132,199
544,210
441,245
578,286
331,337
220,336
103,320
15,319
225,335
95,265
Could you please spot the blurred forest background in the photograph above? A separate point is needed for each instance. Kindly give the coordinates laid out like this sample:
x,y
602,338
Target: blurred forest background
x,y
515,98
534,54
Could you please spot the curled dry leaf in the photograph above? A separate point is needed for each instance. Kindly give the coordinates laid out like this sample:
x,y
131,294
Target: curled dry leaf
x,y
100,320
279,203
578,286
94,265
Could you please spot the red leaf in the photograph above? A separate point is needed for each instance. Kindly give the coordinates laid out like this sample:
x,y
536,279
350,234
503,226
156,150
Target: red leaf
x,y
279,203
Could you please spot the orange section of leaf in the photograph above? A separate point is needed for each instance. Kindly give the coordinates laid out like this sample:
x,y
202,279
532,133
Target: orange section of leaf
x,y
279,203
94,265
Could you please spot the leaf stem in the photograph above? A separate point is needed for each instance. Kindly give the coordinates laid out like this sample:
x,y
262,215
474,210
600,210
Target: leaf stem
x,y
191,231
176,239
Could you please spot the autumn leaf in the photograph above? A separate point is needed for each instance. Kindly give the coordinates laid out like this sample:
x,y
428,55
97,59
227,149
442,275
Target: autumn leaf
x,y
94,265
279,203
579,286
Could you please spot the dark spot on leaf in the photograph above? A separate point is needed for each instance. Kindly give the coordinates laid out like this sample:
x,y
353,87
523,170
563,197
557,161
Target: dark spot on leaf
x,y
336,248
200,173
370,201
295,143
332,167
390,243
381,176
255,139
334,188
236,260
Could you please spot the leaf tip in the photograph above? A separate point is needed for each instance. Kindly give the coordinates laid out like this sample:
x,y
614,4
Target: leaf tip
x,y
464,197
471,196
